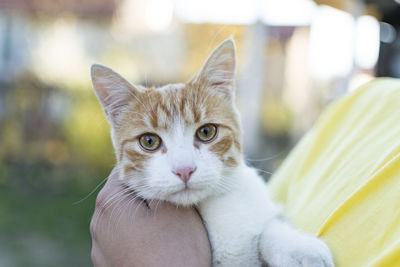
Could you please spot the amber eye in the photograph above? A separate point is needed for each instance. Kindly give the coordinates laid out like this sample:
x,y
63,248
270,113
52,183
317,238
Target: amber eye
x,y
150,142
206,133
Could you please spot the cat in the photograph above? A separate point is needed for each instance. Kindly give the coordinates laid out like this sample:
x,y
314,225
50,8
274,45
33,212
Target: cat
x,y
182,143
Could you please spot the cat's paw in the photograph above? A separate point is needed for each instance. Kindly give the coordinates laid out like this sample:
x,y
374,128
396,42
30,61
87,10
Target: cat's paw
x,y
297,250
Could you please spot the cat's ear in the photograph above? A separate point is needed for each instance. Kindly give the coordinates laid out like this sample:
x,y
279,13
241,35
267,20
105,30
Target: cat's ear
x,y
113,91
218,71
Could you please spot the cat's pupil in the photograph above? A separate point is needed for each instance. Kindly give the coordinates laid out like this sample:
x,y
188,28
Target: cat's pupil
x,y
205,131
149,140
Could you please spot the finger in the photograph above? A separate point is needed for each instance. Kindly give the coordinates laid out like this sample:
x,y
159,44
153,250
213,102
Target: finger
x,y
117,192
112,185
97,256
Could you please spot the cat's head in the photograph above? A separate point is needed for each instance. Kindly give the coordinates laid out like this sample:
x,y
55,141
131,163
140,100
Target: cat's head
x,y
178,142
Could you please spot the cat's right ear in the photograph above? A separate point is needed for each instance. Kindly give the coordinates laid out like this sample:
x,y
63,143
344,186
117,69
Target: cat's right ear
x,y
113,91
218,72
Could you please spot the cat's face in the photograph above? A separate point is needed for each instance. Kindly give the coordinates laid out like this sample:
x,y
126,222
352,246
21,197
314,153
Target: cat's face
x,y
179,142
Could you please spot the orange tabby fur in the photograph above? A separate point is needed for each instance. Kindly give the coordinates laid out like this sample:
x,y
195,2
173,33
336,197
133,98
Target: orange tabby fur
x,y
196,102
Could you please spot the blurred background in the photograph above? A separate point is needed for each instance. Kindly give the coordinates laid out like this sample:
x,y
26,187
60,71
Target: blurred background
x,y
295,57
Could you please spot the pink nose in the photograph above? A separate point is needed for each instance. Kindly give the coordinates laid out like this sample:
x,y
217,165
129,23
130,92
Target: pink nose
x,y
184,173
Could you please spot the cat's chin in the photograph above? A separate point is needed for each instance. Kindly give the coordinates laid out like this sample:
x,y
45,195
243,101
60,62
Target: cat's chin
x,y
187,197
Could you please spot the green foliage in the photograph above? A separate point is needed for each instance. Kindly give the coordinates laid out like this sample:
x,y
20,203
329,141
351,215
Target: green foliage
x,y
54,149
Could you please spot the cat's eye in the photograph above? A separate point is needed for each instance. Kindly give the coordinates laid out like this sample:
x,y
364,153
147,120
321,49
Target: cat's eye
x,y
206,133
150,142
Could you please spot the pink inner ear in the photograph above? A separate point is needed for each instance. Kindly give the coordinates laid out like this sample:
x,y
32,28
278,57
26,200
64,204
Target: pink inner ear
x,y
116,98
219,83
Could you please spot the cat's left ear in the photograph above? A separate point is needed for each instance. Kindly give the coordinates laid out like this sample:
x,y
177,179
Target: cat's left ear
x,y
113,91
218,71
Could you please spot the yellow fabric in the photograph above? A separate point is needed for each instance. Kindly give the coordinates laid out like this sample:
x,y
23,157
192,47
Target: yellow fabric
x,y
342,181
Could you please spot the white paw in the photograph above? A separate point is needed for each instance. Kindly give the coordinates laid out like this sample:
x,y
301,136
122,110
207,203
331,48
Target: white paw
x,y
299,250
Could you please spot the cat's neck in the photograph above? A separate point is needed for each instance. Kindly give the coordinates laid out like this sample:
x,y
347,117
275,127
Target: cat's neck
x,y
241,174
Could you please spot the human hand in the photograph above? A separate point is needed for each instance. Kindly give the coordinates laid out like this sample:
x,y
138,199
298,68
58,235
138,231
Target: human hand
x,y
127,232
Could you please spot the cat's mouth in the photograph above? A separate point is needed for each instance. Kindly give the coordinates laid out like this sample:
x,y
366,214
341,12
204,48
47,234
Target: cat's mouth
x,y
185,190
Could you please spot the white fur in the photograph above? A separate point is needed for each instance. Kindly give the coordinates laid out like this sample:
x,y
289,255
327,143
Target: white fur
x,y
245,224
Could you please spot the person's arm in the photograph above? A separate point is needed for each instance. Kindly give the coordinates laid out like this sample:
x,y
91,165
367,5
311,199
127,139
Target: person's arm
x,y
125,232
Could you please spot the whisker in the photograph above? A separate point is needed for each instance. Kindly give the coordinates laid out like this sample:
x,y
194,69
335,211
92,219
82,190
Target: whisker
x,y
268,158
216,34
158,203
118,209
91,192
125,206
263,171
138,206
115,195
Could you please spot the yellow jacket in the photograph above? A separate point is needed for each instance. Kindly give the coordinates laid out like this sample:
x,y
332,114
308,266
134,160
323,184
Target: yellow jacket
x,y
342,181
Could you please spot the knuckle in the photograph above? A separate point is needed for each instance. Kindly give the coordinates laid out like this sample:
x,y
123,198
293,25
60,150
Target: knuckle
x,y
98,215
92,227
93,256
100,201
102,204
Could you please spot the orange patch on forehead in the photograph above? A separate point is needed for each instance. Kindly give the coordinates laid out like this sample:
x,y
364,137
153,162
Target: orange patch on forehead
x,y
169,103
159,108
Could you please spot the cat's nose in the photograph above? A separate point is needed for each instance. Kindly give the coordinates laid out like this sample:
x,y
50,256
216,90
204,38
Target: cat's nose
x,y
184,173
